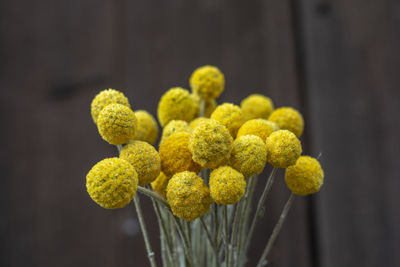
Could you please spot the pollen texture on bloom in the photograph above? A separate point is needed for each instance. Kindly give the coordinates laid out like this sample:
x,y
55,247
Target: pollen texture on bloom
x,y
259,127
176,104
210,144
112,183
117,124
176,156
227,185
188,196
208,82
196,122
147,128
305,177
283,149
175,126
230,116
144,158
249,155
160,185
289,119
104,98
256,106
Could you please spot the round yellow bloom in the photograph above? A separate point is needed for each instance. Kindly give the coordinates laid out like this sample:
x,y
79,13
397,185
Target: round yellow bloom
x,y
160,185
249,155
305,177
188,196
227,185
104,98
112,183
257,106
283,149
147,128
144,158
116,124
259,127
196,122
210,144
175,126
289,119
208,82
176,104
230,116
176,156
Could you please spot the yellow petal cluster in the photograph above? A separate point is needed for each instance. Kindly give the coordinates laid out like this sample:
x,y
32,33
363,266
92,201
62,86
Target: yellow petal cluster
x,y
289,119
188,196
104,98
227,185
112,183
208,82
175,126
283,149
230,116
196,122
147,128
256,106
259,127
305,177
116,124
160,185
144,158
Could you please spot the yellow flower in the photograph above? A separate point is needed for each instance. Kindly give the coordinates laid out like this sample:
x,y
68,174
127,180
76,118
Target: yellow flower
x,y
147,128
259,127
188,196
104,98
227,186
289,119
176,104
249,155
116,124
176,156
175,126
256,106
283,149
160,185
144,158
305,177
230,116
207,82
112,183
196,122
210,144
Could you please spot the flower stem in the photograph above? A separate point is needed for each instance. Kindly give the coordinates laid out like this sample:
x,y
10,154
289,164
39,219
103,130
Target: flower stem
x,y
226,235
152,195
210,240
186,243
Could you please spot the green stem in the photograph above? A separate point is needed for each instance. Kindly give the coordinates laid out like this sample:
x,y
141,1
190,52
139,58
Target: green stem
x,y
235,230
226,236
210,240
163,228
152,195
186,243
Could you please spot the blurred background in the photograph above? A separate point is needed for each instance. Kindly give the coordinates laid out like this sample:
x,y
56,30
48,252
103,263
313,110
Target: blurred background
x,y
335,61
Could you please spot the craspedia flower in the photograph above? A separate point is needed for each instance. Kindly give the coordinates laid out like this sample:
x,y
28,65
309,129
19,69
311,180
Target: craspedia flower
x,y
188,196
116,124
227,185
112,183
288,118
208,82
196,122
305,177
210,144
176,156
104,98
147,128
283,149
160,185
144,158
249,155
176,104
256,106
259,127
175,126
230,116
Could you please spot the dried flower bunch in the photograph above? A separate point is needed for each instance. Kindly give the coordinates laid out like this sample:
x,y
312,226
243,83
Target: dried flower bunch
x,y
202,178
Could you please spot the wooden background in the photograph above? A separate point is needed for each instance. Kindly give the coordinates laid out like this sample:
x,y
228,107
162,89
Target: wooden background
x,y
336,61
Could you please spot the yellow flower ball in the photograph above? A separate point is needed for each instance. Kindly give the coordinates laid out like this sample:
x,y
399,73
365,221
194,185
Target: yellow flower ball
x,y
112,183
116,124
147,128
227,185
176,156
196,122
176,104
210,144
160,185
256,106
208,82
289,119
283,149
259,127
305,177
188,196
104,98
249,155
175,126
230,116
